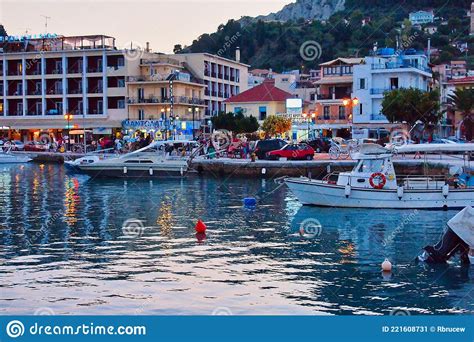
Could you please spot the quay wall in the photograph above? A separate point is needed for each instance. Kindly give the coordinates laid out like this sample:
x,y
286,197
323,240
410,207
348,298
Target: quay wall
x,y
315,169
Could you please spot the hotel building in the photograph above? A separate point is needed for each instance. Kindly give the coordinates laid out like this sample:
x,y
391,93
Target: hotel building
x,y
334,89
378,74
43,78
164,97
222,77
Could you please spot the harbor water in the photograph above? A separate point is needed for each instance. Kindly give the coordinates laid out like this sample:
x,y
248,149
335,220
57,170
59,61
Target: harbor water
x,y
74,245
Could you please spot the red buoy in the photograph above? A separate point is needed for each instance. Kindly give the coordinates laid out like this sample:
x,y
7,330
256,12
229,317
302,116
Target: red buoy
x,y
200,227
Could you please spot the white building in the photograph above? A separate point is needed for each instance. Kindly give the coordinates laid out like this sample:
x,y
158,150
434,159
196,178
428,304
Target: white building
x,y
377,75
421,17
223,77
44,77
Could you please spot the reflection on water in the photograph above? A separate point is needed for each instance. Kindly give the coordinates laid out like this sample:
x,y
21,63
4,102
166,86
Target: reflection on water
x,y
63,248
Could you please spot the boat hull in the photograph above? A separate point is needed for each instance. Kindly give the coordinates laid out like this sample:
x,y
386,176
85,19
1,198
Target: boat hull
x,y
318,193
133,172
14,159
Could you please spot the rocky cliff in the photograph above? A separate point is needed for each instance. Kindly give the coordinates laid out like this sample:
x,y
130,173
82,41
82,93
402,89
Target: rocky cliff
x,y
306,9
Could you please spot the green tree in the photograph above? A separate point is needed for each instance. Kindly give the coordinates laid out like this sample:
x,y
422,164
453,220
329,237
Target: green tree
x,y
3,32
412,105
276,125
463,101
236,123
177,48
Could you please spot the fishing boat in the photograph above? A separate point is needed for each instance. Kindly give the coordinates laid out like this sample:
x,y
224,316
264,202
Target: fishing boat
x,y
159,159
372,183
7,157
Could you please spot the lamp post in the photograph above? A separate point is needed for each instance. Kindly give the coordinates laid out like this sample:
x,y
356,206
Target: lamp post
x,y
350,103
193,110
68,118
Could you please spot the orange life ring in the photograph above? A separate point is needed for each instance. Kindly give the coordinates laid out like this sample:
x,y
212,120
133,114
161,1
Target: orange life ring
x,y
382,182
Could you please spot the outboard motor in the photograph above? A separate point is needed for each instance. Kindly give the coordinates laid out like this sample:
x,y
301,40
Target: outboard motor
x,y
458,238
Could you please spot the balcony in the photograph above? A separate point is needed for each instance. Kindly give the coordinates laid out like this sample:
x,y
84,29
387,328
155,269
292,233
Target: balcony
x,y
94,70
55,92
378,117
160,100
378,91
75,91
395,65
36,92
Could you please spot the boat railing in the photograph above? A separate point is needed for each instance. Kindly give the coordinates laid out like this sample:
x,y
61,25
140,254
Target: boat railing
x,y
429,182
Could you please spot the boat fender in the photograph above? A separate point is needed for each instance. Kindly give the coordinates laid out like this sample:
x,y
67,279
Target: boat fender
x,y
181,171
445,190
264,171
347,190
125,170
400,192
150,171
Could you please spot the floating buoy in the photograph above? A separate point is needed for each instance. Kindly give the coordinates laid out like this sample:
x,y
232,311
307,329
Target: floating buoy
x,y
386,266
250,202
200,227
201,237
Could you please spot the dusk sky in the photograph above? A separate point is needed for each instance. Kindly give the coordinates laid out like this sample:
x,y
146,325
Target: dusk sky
x,y
162,23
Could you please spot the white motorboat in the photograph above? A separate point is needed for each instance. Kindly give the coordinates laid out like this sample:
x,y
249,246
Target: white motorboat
x,y
373,184
154,160
89,158
7,157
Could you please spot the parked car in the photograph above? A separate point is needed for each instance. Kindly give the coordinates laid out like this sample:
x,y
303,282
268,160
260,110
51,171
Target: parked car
x,y
293,151
262,147
34,146
16,145
320,144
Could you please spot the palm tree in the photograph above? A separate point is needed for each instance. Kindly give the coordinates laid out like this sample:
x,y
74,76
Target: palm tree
x,y
463,101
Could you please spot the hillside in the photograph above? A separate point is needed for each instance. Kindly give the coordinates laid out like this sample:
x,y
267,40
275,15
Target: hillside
x,y
277,44
306,9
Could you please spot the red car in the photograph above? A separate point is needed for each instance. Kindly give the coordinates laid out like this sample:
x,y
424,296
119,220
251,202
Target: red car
x,y
34,146
293,151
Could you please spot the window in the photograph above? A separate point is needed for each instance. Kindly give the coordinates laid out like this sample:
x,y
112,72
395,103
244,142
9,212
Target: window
x,y
262,112
121,104
120,62
342,112
141,114
361,83
394,83
360,109
237,110
121,83
326,112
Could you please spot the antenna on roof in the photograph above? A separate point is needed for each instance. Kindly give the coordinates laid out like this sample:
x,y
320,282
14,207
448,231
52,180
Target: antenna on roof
x,y
45,23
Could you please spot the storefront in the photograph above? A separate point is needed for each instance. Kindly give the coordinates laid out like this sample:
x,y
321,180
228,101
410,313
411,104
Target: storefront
x,y
159,129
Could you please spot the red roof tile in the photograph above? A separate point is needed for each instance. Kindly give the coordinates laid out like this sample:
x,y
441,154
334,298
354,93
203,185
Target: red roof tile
x,y
264,92
469,79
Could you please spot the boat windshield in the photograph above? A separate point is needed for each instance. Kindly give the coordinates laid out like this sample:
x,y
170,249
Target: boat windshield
x,y
370,166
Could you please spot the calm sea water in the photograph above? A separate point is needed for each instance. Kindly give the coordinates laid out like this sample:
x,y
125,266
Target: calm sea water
x,y
64,250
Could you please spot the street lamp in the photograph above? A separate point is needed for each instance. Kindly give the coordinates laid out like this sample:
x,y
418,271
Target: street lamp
x,y
193,110
350,103
68,118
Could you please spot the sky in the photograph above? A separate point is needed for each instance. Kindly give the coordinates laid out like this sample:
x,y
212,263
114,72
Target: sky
x,y
163,23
